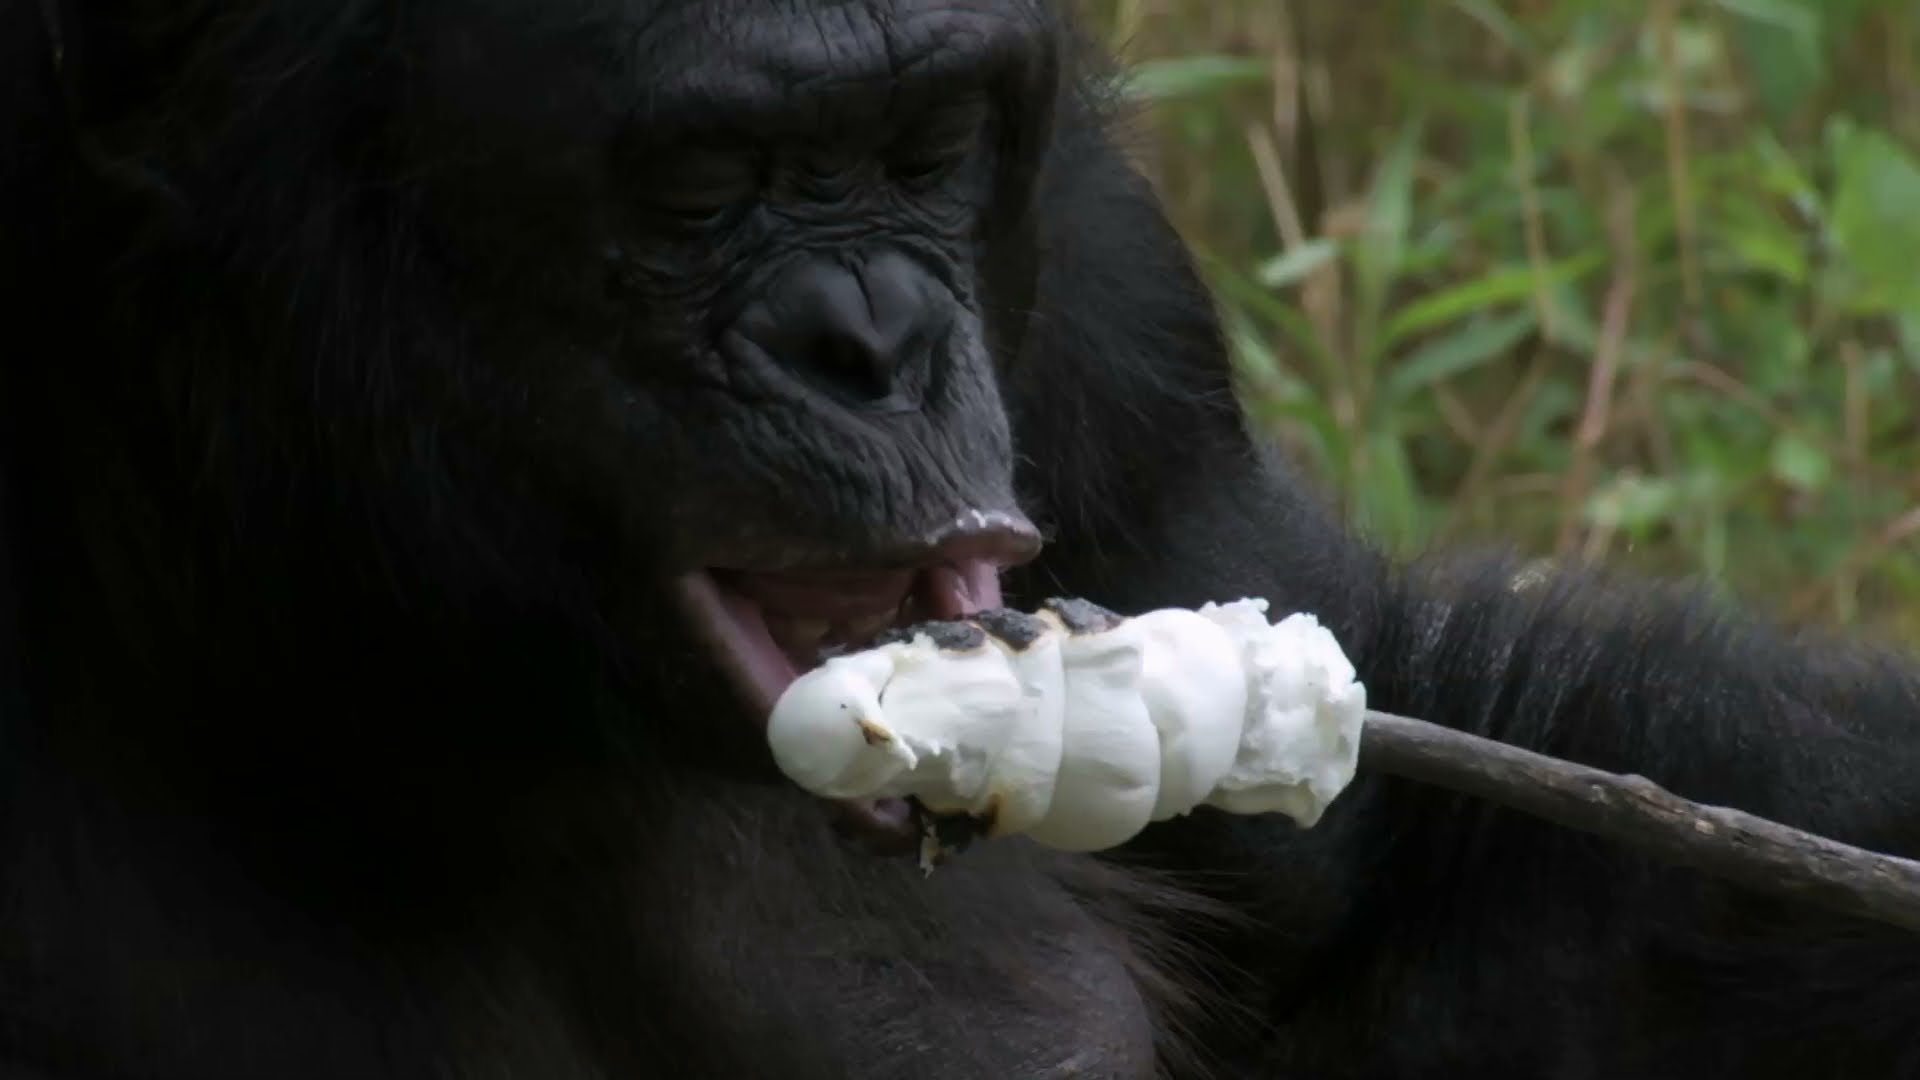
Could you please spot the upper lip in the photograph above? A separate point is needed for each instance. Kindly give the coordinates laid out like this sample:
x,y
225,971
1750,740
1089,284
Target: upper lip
x,y
1004,537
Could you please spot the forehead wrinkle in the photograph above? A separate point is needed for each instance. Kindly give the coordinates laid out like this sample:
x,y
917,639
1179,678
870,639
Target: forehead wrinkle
x,y
800,69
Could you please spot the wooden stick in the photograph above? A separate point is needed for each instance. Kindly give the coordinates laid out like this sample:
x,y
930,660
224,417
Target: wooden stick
x,y
1760,854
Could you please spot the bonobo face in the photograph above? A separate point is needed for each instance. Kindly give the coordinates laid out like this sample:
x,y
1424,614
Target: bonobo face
x,y
619,300
752,262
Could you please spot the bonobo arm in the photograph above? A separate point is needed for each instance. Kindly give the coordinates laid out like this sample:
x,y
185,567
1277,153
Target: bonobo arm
x,y
1660,971
1504,943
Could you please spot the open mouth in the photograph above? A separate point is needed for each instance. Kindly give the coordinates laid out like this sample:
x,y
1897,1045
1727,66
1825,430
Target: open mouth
x,y
767,627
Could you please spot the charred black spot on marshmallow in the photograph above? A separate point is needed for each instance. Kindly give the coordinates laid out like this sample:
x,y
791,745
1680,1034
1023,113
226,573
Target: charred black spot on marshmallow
x,y
943,836
1083,617
1017,629
946,636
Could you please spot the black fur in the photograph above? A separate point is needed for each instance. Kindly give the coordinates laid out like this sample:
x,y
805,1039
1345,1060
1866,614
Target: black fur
x,y
357,406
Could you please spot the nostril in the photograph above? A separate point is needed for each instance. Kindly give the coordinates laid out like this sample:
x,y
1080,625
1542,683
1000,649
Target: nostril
x,y
856,358
852,328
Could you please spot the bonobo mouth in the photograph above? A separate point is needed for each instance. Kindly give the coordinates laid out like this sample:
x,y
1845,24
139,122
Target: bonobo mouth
x,y
768,626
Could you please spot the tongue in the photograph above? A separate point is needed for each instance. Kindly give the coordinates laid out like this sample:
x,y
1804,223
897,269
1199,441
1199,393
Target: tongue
x,y
959,589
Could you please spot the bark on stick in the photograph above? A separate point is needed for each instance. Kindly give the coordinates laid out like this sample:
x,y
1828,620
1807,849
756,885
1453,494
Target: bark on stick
x,y
1632,810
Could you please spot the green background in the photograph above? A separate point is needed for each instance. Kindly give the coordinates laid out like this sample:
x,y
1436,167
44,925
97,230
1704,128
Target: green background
x,y
1637,281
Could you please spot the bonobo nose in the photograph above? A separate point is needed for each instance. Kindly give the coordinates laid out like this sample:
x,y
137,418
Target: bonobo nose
x,y
860,328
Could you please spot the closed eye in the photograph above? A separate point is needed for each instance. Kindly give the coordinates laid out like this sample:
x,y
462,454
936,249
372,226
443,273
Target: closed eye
x,y
943,139
698,186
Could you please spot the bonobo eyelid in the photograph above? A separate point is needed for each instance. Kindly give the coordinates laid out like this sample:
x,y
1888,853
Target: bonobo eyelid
x,y
696,183
941,140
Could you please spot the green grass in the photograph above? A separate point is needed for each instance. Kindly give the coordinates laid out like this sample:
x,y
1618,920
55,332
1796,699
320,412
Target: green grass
x,y
1608,279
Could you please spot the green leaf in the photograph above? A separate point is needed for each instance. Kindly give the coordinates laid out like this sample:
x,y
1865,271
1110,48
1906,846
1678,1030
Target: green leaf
x,y
1875,227
1308,420
1296,264
1254,359
1779,356
1572,69
1462,350
1780,173
1787,15
1282,315
1381,252
1755,235
1507,285
1497,22
1390,505
1782,40
1632,503
1193,76
1800,464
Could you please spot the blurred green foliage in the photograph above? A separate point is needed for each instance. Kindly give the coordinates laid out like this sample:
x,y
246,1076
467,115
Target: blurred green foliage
x,y
1623,279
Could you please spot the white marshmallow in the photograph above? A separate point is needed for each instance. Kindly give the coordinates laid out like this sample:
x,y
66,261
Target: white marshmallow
x,y
1081,740
1109,775
1300,743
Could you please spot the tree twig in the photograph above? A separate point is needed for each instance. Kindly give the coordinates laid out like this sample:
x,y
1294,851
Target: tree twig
x,y
1632,810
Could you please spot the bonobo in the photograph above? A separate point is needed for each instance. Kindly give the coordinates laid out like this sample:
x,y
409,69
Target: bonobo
x,y
433,431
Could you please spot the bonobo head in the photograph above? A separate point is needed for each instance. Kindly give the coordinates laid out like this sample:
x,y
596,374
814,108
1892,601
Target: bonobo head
x,y
690,298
